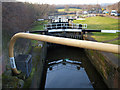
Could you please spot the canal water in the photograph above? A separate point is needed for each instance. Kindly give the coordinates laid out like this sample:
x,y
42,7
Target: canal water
x,y
69,67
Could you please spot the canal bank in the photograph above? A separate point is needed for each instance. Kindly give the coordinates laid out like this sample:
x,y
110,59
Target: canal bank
x,y
38,52
106,64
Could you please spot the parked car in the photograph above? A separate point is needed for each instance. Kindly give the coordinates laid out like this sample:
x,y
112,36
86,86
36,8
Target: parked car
x,y
94,12
89,12
117,14
100,11
105,12
113,13
40,19
85,12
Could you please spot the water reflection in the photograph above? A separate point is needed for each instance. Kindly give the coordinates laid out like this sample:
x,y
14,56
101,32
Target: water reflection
x,y
66,73
64,64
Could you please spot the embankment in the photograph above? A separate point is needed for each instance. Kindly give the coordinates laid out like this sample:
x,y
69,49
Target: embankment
x,y
107,65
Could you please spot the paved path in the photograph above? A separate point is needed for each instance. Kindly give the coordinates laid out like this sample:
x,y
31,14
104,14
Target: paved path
x,y
112,40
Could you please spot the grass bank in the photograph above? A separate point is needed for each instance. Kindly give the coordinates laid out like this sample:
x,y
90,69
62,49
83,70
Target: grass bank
x,y
39,25
102,23
100,37
98,22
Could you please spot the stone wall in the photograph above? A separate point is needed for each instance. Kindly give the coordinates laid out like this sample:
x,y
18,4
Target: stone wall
x,y
39,56
38,51
107,69
22,46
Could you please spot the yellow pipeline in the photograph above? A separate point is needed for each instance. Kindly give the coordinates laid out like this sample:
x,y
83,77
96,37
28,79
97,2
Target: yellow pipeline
x,y
59,40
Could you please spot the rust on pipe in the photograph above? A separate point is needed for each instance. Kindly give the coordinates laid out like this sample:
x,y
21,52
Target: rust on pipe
x,y
59,40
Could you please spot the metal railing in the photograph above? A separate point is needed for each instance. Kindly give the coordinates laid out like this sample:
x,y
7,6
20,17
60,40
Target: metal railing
x,y
65,26
58,40
75,30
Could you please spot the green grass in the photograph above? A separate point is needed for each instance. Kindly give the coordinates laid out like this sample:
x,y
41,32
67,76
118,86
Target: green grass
x,y
102,23
61,10
74,9
115,42
104,36
98,22
39,25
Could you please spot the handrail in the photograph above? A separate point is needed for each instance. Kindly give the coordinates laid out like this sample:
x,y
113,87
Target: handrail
x,y
59,40
55,25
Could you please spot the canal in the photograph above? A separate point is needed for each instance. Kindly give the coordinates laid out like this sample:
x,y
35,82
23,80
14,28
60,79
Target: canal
x,y
69,67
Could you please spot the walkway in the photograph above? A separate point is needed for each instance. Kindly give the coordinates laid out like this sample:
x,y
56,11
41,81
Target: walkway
x,y
112,40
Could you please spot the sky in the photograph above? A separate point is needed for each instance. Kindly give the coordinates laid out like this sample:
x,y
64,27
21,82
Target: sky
x,y
71,1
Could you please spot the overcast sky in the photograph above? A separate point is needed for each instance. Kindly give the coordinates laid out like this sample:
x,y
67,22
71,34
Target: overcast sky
x,y
71,1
